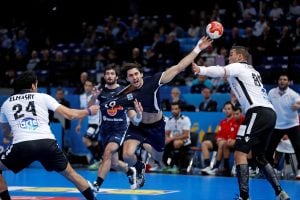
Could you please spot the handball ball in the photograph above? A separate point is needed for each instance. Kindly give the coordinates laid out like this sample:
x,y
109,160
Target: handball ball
x,y
214,29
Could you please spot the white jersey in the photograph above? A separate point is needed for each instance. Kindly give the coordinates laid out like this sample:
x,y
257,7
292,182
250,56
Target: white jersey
x,y
27,115
178,125
286,117
84,100
245,82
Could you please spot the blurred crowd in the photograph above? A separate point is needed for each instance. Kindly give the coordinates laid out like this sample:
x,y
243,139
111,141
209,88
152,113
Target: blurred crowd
x,y
267,28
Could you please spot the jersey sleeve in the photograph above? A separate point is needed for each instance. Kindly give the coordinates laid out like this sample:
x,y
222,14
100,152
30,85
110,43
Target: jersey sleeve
x,y
187,124
232,69
51,103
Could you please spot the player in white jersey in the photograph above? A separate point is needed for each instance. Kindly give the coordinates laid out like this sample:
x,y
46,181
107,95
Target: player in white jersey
x,y
254,133
287,103
25,115
91,136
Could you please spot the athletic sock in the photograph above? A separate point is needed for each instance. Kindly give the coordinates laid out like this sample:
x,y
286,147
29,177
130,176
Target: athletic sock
x,y
88,194
206,162
226,163
5,195
217,164
99,181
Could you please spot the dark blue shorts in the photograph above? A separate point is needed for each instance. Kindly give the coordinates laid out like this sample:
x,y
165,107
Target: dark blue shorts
x,y
152,134
116,136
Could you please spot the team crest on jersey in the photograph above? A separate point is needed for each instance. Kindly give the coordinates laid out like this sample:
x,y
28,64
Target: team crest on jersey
x,y
113,111
29,123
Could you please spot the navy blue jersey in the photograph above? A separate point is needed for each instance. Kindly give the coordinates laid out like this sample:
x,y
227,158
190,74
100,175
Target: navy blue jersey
x,y
113,118
148,94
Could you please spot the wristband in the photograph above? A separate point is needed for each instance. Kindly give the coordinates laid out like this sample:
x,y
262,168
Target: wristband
x,y
89,111
137,120
197,49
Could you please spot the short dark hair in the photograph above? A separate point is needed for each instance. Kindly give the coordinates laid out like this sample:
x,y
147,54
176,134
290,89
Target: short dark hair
x,y
284,74
176,104
129,66
237,108
228,103
24,81
112,66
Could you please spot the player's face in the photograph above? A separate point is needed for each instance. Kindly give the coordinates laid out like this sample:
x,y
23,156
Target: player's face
x,y
175,110
234,57
110,77
283,82
135,77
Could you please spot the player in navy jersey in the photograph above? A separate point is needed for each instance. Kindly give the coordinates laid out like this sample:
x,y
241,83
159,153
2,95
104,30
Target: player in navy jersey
x,y
25,115
260,118
112,130
148,127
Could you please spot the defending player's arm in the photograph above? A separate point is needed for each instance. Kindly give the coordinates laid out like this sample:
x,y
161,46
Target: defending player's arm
x,y
170,73
76,113
136,115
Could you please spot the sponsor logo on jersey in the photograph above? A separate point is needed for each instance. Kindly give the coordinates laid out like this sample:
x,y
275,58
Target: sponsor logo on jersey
x,y
114,110
29,123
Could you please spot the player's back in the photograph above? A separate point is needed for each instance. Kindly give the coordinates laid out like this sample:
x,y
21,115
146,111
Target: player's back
x,y
27,115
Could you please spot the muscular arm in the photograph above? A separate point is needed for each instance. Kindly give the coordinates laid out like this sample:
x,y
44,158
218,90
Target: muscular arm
x,y
170,73
76,113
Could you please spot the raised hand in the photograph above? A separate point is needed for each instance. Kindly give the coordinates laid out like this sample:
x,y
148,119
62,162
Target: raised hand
x,y
206,42
138,108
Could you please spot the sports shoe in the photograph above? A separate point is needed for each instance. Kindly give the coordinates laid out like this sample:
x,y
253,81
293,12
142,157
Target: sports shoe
x,y
212,172
94,166
240,198
133,179
298,174
283,196
96,187
141,176
205,170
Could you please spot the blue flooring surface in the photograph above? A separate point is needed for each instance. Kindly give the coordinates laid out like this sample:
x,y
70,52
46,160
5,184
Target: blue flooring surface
x,y
37,184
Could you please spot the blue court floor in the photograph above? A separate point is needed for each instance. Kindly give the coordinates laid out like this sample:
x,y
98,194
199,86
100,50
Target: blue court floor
x,y
37,184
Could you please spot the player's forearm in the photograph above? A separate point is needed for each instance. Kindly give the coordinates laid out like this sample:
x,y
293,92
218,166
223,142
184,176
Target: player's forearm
x,y
212,71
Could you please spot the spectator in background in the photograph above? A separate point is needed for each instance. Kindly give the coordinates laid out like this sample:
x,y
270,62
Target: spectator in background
x,y
66,123
33,61
177,133
229,144
80,86
207,105
226,134
9,78
177,98
286,103
200,83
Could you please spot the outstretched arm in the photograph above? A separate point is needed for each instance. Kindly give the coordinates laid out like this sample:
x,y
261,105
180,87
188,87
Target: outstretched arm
x,y
170,73
76,113
212,71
